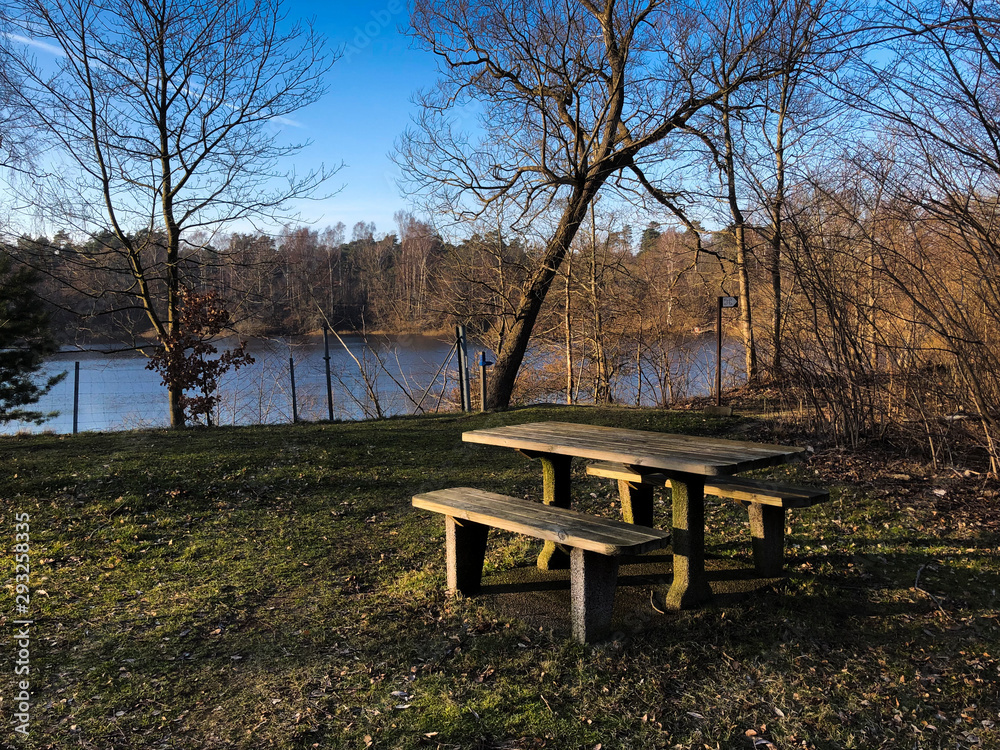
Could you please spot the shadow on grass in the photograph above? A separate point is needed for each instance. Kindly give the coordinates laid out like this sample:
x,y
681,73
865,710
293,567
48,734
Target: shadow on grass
x,y
273,588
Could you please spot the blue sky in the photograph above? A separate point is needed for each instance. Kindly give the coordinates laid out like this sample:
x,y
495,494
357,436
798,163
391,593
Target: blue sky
x,y
367,107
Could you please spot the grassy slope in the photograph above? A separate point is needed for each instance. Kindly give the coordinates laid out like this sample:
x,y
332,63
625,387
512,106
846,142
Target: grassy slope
x,y
270,587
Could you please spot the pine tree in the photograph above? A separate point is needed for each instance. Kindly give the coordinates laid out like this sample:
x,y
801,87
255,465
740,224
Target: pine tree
x,y
25,340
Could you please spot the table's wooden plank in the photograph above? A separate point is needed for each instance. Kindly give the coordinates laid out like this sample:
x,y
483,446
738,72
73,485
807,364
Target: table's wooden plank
x,y
642,441
669,452
569,430
529,509
678,460
570,434
637,455
558,525
564,429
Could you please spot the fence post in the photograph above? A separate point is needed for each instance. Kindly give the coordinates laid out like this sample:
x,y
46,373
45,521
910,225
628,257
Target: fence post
x,y
329,384
295,405
483,364
463,368
76,397
718,355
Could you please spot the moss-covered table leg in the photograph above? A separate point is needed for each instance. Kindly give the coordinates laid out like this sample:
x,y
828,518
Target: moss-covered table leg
x,y
637,502
556,485
690,586
767,532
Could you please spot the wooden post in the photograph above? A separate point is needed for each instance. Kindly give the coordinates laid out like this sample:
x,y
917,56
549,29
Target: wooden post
x,y
465,550
637,502
592,593
482,381
483,364
718,355
463,368
76,397
326,359
767,534
291,374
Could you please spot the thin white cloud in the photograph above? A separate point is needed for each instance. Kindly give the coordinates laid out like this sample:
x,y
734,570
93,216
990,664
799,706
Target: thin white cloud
x,y
44,46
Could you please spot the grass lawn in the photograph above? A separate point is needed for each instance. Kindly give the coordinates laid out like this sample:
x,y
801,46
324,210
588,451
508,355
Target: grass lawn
x,y
271,587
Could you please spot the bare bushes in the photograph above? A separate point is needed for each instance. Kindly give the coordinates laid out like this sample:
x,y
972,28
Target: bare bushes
x,y
894,329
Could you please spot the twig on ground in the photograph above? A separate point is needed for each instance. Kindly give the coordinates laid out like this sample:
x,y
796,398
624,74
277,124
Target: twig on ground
x,y
916,587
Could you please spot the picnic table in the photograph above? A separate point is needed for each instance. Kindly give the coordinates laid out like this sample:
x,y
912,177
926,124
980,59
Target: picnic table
x,y
686,460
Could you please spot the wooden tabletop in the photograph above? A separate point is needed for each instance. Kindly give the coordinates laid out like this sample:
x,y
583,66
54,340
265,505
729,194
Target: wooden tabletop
x,y
655,450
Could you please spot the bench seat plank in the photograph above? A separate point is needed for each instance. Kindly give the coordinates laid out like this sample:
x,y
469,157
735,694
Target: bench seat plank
x,y
733,488
560,525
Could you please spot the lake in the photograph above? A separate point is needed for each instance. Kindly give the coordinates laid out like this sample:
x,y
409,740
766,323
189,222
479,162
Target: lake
x,y
117,392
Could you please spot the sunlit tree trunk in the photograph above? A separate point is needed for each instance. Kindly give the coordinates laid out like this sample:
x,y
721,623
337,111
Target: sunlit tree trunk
x,y
740,239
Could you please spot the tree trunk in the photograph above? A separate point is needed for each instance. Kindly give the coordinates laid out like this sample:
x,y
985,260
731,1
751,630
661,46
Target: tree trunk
x,y
746,319
740,237
777,206
602,391
177,419
515,343
569,333
775,263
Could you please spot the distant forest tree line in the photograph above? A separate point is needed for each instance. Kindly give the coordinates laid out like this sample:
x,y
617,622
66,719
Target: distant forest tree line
x,y
622,300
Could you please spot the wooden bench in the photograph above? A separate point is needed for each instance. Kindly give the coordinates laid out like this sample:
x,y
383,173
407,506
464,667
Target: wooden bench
x,y
595,545
765,502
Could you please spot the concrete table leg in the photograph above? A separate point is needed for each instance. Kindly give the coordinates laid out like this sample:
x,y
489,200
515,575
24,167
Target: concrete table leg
x,y
465,550
690,586
593,577
556,483
637,502
767,529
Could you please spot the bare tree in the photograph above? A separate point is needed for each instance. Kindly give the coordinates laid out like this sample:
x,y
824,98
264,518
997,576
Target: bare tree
x,y
934,244
760,131
573,96
166,114
13,133
419,247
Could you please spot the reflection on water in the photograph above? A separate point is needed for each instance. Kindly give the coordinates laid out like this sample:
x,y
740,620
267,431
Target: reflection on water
x,y
386,376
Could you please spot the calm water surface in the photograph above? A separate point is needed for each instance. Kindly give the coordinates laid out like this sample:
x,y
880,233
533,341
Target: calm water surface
x,y
117,392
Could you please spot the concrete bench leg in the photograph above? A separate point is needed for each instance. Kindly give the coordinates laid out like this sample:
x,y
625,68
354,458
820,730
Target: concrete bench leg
x,y
767,529
637,502
465,550
593,577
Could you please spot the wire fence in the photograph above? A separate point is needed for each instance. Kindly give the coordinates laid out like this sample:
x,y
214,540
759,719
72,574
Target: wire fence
x,y
356,378
287,382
